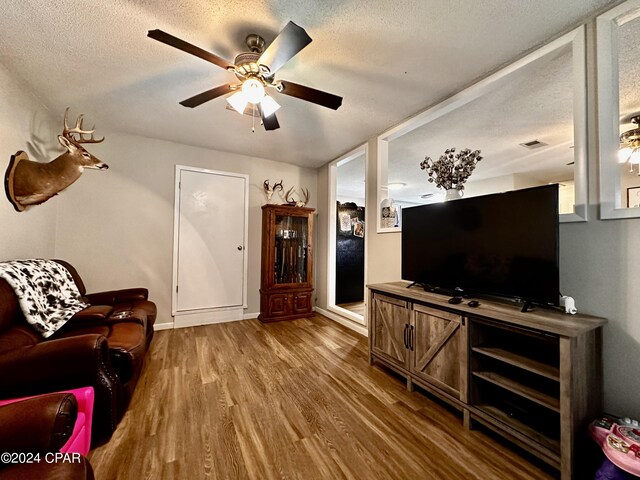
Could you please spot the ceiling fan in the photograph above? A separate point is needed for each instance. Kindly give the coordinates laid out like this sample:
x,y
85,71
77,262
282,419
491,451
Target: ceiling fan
x,y
256,71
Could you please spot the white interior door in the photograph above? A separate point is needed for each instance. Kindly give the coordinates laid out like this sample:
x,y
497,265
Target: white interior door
x,y
210,263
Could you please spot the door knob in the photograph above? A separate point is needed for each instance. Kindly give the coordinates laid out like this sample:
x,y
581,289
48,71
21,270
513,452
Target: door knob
x,y
239,247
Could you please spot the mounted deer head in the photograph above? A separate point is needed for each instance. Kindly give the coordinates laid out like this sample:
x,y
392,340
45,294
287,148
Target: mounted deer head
x,y
288,197
268,190
29,183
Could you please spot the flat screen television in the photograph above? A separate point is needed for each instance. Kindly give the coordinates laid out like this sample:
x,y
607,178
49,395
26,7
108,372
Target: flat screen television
x,y
504,244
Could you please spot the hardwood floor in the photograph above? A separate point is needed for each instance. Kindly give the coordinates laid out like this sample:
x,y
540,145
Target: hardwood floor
x,y
355,307
288,400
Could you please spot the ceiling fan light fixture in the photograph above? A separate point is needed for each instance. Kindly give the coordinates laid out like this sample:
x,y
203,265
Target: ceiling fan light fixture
x,y
238,101
269,106
255,69
253,90
624,153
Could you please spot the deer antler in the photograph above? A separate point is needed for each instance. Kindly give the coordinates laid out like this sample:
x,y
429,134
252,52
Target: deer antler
x,y
276,186
286,196
68,133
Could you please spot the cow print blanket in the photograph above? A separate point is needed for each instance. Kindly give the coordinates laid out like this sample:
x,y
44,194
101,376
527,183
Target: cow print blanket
x,y
46,291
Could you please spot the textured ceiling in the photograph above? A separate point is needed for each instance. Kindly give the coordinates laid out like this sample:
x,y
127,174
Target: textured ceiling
x,y
388,59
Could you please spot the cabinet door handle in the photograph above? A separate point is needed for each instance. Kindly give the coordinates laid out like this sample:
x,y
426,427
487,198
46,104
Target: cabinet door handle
x,y
411,337
406,338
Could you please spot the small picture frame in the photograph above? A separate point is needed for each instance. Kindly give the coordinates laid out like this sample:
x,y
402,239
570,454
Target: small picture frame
x,y
358,229
345,222
390,216
633,197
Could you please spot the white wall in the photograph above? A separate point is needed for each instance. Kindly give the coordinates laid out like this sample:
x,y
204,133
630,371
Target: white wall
x,y
116,226
600,268
475,188
383,249
25,125
322,238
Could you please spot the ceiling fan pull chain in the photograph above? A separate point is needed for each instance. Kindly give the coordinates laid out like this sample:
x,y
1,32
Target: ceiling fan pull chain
x,y
253,119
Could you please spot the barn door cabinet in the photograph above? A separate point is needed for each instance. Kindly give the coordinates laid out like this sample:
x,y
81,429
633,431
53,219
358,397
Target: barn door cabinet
x,y
535,378
286,277
437,349
426,344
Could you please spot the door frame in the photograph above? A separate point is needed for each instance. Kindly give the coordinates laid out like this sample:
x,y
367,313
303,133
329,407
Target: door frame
x,y
232,311
331,250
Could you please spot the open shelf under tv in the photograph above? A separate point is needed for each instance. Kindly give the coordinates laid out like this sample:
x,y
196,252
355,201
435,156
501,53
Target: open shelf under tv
x,y
532,365
521,389
552,444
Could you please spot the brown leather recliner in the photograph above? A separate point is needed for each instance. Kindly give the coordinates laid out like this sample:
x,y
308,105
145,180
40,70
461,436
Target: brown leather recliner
x,y
126,318
39,427
97,348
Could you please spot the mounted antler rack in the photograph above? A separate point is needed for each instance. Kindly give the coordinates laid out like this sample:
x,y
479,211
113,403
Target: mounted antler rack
x,y
29,183
269,190
69,133
288,197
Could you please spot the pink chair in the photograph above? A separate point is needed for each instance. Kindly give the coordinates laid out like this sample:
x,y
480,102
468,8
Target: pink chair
x,y
80,440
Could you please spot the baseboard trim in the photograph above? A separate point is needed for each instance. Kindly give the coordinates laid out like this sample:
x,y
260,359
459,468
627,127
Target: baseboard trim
x,y
229,316
208,318
205,318
361,329
163,326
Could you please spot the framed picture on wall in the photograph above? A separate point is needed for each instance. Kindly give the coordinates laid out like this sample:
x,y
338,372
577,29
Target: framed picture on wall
x,y
633,197
358,229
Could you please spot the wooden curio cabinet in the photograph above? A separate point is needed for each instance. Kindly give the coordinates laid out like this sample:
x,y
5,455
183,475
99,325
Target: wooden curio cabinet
x,y
286,285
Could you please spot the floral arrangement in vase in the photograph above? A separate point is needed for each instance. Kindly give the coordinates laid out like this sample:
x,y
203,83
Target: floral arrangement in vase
x,y
452,169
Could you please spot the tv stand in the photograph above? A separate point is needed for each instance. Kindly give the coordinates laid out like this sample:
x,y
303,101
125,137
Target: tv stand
x,y
450,292
534,378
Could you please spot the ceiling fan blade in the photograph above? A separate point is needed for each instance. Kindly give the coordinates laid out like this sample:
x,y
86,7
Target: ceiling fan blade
x,y
187,47
270,122
206,96
284,47
311,95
